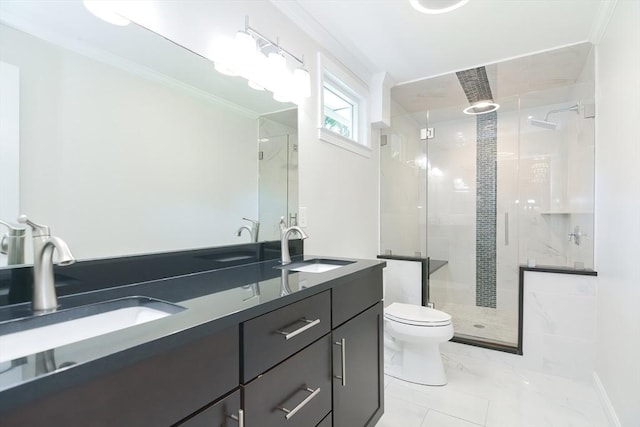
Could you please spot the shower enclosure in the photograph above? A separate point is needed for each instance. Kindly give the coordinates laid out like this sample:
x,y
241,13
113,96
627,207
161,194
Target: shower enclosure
x,y
474,197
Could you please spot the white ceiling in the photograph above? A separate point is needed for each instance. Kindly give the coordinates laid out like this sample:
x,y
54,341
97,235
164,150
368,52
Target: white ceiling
x,y
371,36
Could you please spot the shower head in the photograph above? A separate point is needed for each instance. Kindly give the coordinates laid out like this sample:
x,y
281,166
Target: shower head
x,y
542,123
550,125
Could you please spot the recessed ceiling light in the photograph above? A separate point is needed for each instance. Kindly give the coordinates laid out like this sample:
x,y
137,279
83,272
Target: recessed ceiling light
x,y
437,6
481,107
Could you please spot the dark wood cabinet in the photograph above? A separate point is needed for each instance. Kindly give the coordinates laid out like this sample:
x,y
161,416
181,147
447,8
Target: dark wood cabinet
x,y
358,381
316,362
295,393
223,413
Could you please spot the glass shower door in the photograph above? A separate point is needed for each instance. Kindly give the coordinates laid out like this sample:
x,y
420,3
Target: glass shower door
x,y
472,241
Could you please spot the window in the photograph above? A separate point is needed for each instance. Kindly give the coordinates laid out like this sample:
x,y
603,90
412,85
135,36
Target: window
x,y
340,112
342,120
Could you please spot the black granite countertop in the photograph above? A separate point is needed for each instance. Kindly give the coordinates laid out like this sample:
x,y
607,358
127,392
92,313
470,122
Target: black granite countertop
x,y
212,300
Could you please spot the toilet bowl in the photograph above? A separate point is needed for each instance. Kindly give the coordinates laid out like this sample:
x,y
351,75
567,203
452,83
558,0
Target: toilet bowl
x,y
419,331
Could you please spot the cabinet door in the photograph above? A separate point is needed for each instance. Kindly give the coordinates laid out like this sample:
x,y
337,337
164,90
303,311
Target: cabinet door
x,y
358,380
223,413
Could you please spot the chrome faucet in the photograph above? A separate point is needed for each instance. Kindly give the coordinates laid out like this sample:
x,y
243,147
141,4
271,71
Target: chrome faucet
x,y
284,243
12,244
253,230
44,290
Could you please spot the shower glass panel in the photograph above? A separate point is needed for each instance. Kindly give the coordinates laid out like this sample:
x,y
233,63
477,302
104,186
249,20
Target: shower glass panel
x,y
403,167
480,196
557,179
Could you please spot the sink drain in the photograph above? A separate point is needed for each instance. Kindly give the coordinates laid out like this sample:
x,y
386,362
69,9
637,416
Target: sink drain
x,y
479,326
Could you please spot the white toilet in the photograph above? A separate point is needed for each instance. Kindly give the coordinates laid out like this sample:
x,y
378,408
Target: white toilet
x,y
419,331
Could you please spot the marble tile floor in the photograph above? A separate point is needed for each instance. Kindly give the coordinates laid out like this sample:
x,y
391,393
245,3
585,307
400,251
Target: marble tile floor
x,y
489,394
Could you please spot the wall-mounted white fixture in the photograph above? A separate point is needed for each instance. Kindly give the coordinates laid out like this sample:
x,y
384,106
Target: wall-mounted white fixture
x,y
481,107
264,63
106,10
437,6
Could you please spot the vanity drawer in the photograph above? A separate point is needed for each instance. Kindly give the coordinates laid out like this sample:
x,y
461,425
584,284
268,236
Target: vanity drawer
x,y
296,393
269,339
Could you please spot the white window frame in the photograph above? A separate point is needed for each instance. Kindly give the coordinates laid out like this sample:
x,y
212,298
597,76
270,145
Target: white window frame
x,y
338,78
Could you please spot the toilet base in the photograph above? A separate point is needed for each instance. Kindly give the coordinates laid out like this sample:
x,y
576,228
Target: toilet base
x,y
422,364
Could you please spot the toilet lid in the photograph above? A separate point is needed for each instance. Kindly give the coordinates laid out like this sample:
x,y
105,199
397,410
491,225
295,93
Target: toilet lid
x,y
416,315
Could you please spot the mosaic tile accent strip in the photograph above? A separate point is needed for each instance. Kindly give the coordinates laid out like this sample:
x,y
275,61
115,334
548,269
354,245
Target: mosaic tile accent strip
x,y
475,84
476,87
486,214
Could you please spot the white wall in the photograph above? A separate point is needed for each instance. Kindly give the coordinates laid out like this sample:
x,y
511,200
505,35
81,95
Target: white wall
x,y
618,211
338,188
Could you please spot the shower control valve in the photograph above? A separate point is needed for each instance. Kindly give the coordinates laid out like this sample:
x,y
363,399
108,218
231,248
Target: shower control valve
x,y
577,235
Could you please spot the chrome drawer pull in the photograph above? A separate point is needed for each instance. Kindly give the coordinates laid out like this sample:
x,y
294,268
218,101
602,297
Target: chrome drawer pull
x,y
291,413
309,324
343,361
239,418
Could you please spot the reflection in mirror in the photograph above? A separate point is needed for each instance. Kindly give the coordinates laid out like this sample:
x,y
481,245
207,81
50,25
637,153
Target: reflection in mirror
x,y
128,143
278,170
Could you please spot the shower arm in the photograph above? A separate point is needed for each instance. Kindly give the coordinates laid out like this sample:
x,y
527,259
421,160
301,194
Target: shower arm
x,y
575,108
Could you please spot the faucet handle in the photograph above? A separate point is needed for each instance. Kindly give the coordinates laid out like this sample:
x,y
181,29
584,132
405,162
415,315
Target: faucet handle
x,y
38,230
13,230
252,221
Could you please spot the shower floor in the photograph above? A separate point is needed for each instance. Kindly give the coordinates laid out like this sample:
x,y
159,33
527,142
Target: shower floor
x,y
490,324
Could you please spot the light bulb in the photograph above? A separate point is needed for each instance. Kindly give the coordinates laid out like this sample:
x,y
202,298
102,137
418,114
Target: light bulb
x,y
276,70
257,75
222,57
244,53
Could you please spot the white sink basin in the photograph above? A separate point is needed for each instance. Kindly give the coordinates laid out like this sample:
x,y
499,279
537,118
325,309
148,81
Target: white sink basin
x,y
40,333
315,268
316,265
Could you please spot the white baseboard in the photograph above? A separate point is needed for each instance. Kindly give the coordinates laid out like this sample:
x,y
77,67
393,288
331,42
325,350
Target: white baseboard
x,y
614,421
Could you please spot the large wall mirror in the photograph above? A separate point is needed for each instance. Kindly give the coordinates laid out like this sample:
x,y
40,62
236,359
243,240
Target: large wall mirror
x,y
126,143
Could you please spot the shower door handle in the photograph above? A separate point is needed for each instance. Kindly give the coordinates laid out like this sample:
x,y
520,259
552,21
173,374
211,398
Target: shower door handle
x,y
506,228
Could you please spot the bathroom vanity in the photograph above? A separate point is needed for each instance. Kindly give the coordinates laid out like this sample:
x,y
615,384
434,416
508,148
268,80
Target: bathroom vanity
x,y
252,345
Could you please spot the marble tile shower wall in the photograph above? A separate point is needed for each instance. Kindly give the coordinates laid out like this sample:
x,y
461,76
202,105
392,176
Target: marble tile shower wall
x,y
559,331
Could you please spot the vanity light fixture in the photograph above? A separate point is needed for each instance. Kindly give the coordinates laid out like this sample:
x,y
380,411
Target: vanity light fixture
x,y
106,10
481,107
264,63
437,6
